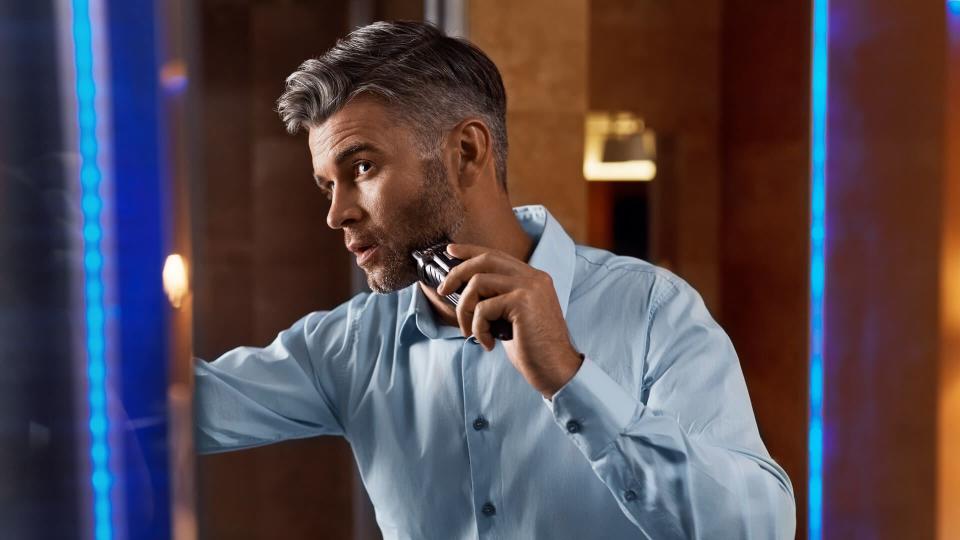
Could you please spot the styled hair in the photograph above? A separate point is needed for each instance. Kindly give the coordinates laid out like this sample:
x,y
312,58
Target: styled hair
x,y
430,80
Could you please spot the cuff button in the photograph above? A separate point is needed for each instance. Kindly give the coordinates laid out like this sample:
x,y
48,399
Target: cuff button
x,y
629,495
573,426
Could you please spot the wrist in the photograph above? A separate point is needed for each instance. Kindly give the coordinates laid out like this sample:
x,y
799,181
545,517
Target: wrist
x,y
568,370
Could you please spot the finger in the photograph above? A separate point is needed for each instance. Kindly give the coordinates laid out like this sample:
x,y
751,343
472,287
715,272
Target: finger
x,y
466,251
488,262
479,287
487,311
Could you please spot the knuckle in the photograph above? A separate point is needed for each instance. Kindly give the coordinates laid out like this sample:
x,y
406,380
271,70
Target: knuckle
x,y
479,310
469,290
462,311
453,275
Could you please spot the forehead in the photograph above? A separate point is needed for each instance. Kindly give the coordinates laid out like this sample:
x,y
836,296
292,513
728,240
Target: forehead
x,y
362,121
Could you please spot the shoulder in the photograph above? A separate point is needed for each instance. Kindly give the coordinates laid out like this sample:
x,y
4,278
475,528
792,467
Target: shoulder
x,y
337,329
625,277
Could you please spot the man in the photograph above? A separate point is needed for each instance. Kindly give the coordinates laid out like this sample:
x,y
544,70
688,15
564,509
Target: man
x,y
617,410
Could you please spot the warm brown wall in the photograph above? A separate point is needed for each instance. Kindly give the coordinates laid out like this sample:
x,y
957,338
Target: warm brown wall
x,y
765,218
264,258
725,86
884,183
948,458
540,47
661,61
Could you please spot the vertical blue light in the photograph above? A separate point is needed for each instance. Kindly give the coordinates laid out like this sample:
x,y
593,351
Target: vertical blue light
x,y
91,205
953,6
818,230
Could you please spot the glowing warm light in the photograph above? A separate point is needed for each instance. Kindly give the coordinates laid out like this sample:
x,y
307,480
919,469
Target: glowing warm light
x,y
173,76
948,436
637,170
601,129
175,282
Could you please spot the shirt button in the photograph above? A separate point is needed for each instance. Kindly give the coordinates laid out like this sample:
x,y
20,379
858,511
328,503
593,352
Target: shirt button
x,y
573,426
488,509
629,495
480,423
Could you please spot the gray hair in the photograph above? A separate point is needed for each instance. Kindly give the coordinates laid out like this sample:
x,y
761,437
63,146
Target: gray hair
x,y
429,79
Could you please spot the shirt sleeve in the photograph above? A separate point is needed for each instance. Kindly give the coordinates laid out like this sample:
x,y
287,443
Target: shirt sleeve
x,y
254,396
683,456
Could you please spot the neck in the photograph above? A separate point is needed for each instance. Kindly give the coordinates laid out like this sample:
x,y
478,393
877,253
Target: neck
x,y
499,230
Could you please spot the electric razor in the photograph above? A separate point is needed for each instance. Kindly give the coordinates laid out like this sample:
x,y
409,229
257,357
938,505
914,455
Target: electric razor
x,y
433,265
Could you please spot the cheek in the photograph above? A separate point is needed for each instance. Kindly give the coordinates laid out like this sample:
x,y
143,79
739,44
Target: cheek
x,y
388,200
381,214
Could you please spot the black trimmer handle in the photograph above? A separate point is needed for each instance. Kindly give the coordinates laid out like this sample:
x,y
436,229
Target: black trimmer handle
x,y
433,265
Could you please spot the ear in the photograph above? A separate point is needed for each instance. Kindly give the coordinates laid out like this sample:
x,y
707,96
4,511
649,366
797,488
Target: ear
x,y
472,147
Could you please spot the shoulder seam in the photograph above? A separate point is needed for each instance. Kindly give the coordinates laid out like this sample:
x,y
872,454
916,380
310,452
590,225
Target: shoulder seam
x,y
647,269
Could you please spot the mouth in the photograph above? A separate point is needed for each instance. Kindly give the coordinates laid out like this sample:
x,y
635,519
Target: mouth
x,y
365,253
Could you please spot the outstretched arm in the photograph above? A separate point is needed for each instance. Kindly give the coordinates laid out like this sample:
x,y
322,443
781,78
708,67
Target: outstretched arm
x,y
255,396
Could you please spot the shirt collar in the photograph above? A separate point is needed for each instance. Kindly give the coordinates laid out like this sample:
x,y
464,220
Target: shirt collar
x,y
555,254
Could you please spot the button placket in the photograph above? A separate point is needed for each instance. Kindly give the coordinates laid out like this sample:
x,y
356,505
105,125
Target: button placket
x,y
481,435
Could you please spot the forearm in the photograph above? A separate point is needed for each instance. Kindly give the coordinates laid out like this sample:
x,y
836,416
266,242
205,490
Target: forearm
x,y
669,483
252,396
673,486
229,415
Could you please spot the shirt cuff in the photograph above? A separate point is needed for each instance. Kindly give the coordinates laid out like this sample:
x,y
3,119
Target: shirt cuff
x,y
593,409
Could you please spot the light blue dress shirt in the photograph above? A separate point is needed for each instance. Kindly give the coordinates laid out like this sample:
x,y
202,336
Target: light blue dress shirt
x,y
654,437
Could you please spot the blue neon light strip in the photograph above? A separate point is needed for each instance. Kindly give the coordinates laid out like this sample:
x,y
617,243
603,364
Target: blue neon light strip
x,y
953,6
91,204
818,230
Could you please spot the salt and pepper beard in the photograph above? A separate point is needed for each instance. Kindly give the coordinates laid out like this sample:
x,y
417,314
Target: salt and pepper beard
x,y
434,214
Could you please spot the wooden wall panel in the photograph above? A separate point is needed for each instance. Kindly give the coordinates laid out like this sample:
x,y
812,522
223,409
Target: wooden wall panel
x,y
765,218
884,182
264,258
545,74
661,61
948,433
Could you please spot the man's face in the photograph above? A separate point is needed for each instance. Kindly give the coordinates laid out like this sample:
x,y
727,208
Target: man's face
x,y
387,196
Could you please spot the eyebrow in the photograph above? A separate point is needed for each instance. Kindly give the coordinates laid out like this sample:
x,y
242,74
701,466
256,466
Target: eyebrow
x,y
345,154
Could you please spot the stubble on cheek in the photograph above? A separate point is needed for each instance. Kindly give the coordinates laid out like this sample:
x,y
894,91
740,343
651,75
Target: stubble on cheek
x,y
435,213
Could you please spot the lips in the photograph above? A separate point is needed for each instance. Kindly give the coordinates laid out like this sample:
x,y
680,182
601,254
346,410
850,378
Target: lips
x,y
362,250
365,254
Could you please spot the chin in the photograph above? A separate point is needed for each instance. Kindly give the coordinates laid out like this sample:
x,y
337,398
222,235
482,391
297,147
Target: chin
x,y
382,282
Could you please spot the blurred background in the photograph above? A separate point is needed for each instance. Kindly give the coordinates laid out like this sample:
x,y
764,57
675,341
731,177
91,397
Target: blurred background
x,y
797,162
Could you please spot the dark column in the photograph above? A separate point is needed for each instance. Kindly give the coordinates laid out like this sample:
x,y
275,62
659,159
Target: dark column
x,y
884,180
41,495
765,218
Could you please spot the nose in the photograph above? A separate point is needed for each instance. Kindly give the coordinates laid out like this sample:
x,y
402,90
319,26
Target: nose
x,y
343,207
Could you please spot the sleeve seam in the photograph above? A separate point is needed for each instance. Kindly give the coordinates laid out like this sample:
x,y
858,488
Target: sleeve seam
x,y
654,308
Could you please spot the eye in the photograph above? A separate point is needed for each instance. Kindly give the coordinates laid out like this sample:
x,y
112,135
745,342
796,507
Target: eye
x,y
362,167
